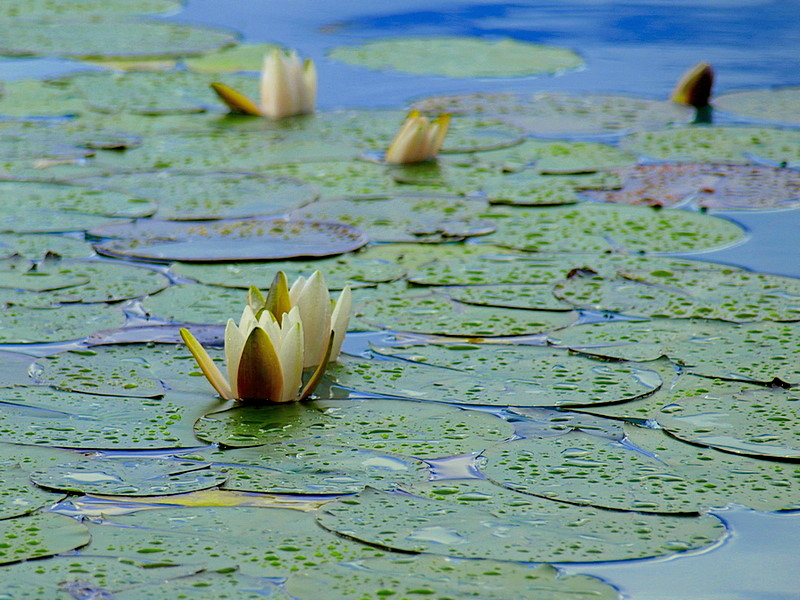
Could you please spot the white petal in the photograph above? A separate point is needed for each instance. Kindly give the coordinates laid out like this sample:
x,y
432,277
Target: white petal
x,y
291,357
234,342
340,319
314,303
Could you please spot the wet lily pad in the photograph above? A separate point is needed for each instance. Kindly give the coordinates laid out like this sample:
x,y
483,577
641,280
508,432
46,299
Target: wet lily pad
x,y
242,57
313,468
33,97
14,369
19,496
340,179
413,524
708,186
23,325
129,477
554,114
45,8
253,239
495,375
559,158
401,219
104,37
777,105
40,535
189,196
531,297
421,430
652,472
34,247
591,227
437,576
196,303
459,56
207,586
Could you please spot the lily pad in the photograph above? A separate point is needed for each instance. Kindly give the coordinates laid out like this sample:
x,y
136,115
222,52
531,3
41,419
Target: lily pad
x,y
34,247
413,524
129,477
40,535
23,325
35,98
196,303
422,430
253,239
495,375
777,105
189,196
591,227
242,57
459,56
46,8
340,179
313,468
14,369
105,37
559,158
19,496
402,219
442,577
207,586
530,297
651,472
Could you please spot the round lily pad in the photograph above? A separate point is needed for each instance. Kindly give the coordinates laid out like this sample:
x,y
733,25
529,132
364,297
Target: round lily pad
x,y
591,227
40,535
196,303
437,314
46,8
189,196
23,325
708,186
777,105
441,577
242,57
531,297
104,37
469,530
34,247
422,430
495,375
718,145
559,158
459,56
652,472
401,219
253,239
129,477
558,114
313,468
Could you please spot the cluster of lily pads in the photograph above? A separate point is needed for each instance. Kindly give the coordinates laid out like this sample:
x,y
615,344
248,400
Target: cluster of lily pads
x,y
532,367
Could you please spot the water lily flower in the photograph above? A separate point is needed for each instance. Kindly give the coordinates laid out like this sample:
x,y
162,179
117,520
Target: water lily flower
x,y
694,87
418,139
288,87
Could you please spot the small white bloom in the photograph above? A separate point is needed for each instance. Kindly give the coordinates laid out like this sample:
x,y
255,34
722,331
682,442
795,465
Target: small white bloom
x,y
418,139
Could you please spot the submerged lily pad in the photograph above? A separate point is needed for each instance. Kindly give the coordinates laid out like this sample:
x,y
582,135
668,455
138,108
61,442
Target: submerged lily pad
x,y
422,430
105,37
777,105
253,239
23,325
40,535
459,56
469,530
442,577
652,472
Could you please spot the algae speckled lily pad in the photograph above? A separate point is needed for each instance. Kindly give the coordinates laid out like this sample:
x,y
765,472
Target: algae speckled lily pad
x,y
558,158
423,430
591,227
242,57
213,241
195,303
459,56
102,37
442,577
532,297
34,247
413,524
23,325
230,195
48,8
492,375
40,535
225,585
129,477
18,495
778,105
651,472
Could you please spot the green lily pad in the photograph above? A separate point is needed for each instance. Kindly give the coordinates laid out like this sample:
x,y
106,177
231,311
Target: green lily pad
x,y
104,37
23,325
717,145
440,577
591,227
196,303
19,496
777,105
340,179
207,586
530,297
252,239
413,524
558,114
45,8
708,186
495,375
652,472
14,369
43,416
190,196
459,56
242,57
35,98
402,219
422,430
129,477
439,315
559,158
34,247
20,274
313,468
40,535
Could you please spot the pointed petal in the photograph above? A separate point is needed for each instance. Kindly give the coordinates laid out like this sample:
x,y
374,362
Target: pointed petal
x,y
308,98
237,103
247,321
694,87
315,312
255,299
234,342
340,319
312,383
259,376
278,301
278,98
297,289
400,146
439,130
291,357
207,366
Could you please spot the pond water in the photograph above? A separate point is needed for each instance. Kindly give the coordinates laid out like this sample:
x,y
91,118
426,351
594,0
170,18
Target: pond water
x,y
628,47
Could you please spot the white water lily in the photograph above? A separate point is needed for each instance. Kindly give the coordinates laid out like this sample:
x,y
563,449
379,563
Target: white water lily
x,y
694,87
288,87
418,139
